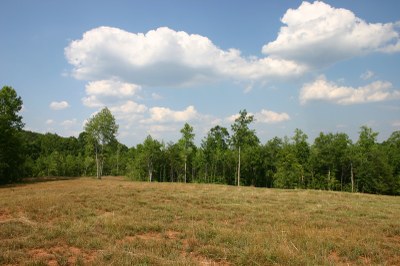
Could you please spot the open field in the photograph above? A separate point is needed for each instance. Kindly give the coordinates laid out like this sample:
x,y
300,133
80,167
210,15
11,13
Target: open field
x,y
112,221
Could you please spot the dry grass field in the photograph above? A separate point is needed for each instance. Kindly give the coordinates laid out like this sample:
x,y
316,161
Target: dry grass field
x,y
117,222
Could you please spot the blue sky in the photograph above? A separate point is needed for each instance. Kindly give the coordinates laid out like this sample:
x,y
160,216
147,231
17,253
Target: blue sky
x,y
329,66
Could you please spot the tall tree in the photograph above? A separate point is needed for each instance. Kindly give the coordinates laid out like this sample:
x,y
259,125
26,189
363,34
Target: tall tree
x,y
101,130
371,164
187,144
392,149
11,158
243,136
215,146
271,153
151,152
329,159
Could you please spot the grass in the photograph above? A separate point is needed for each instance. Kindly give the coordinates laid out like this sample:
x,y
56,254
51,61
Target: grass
x,y
116,222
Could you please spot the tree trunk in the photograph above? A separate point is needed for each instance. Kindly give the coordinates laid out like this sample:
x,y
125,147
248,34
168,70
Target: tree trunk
x,y
329,179
97,164
352,177
238,174
150,170
185,167
341,180
118,160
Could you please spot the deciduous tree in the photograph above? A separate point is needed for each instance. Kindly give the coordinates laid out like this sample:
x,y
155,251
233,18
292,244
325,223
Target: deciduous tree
x,y
243,136
11,157
101,129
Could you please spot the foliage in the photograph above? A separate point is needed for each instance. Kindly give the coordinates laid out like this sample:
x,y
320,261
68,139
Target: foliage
x,y
11,157
330,162
101,130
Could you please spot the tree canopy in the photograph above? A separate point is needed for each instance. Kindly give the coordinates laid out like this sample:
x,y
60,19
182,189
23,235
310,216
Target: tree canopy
x,y
235,157
101,129
10,142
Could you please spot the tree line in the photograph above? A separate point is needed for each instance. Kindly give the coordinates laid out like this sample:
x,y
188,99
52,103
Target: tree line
x,y
232,156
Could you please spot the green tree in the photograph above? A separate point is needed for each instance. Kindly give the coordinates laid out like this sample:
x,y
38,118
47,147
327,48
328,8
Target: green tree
x,y
214,148
11,155
187,144
174,161
392,149
151,152
271,157
101,130
289,172
328,160
372,170
301,151
243,137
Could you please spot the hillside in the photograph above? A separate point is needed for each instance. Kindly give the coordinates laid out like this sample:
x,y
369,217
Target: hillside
x,y
113,221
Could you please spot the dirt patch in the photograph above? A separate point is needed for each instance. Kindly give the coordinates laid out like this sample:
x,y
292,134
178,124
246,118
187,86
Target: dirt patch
x,y
172,234
336,259
5,215
150,236
65,254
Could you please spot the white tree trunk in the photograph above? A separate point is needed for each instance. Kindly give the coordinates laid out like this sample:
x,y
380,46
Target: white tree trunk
x,y
97,164
185,168
238,177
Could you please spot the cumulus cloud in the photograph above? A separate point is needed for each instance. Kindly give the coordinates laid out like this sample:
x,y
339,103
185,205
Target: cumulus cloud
x,y
129,112
317,34
270,117
166,57
263,116
58,105
321,89
49,121
105,92
69,123
163,114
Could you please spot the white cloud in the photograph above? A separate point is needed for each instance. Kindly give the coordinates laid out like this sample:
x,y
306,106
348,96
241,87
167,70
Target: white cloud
x,y
166,57
49,121
156,96
163,114
317,34
367,75
59,105
69,123
129,107
231,119
321,89
269,117
111,88
129,112
264,116
108,92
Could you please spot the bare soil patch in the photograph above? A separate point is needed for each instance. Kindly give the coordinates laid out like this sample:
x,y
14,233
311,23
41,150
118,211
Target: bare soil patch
x,y
64,253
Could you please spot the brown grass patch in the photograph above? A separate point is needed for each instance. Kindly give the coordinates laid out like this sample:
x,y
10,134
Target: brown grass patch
x,y
112,221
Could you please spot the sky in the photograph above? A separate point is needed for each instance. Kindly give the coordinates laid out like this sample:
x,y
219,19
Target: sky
x,y
323,66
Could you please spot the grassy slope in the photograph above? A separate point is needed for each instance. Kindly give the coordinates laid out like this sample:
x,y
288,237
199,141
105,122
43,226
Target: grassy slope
x,y
86,221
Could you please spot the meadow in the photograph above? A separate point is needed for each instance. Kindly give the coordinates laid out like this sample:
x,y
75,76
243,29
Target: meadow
x,y
112,221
